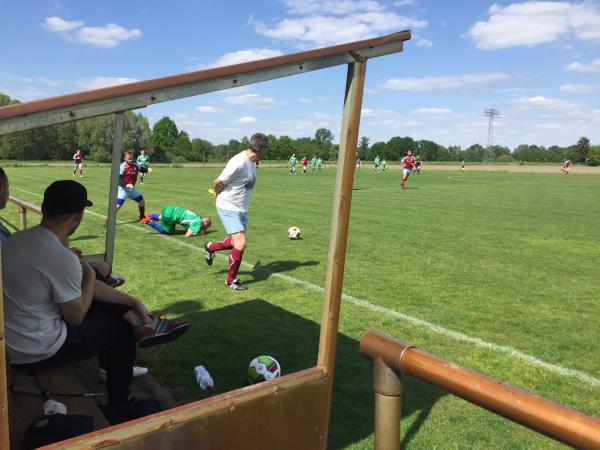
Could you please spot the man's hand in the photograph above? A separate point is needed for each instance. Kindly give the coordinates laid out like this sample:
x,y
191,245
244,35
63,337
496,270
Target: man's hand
x,y
88,271
140,309
77,252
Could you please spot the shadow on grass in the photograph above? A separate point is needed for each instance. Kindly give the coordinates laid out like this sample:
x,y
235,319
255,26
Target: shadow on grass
x,y
262,273
86,237
228,338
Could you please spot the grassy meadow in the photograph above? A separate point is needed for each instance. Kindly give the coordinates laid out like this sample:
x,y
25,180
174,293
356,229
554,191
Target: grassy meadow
x,y
495,271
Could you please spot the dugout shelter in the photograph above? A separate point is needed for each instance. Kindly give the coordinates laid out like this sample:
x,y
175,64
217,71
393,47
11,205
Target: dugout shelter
x,y
297,405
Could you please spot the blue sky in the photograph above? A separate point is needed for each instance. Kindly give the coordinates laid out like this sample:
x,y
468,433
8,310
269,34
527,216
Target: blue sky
x,y
538,63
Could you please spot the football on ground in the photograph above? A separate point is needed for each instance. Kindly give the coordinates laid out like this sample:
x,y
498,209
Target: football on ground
x,y
294,233
263,368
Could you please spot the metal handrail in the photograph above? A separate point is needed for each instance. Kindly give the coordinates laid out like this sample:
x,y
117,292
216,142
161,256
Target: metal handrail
x,y
23,208
393,358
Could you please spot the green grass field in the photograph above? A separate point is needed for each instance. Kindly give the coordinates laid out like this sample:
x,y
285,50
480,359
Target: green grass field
x,y
497,272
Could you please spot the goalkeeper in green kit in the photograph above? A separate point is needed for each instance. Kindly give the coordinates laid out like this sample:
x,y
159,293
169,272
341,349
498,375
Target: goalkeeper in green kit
x,y
173,215
143,162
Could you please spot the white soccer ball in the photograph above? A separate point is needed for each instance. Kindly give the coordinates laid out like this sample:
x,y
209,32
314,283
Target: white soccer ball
x,y
294,233
263,368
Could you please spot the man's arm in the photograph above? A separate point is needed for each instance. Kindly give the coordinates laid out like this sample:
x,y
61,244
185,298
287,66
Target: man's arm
x,y
75,310
218,186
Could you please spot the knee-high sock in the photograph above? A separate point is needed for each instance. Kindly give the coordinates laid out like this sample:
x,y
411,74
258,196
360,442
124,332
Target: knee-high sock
x,y
225,244
142,211
154,216
156,226
235,259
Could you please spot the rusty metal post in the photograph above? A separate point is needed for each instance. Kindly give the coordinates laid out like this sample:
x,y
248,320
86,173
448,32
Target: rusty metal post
x,y
22,217
388,388
342,200
109,248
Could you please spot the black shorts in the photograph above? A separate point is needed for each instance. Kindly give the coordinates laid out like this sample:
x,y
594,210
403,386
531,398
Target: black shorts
x,y
143,169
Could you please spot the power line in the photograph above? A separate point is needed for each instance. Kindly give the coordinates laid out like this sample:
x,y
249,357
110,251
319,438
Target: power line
x,y
488,154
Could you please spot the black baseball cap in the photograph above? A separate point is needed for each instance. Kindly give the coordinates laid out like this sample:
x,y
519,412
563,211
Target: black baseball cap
x,y
65,197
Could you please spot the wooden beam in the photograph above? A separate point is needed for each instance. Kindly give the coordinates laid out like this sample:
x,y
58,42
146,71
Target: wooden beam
x,y
342,200
114,186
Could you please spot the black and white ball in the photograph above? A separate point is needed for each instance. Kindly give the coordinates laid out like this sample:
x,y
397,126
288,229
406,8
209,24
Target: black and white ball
x,y
294,233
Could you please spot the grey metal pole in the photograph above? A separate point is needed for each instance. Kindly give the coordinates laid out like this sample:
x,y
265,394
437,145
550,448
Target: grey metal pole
x,y
114,183
388,403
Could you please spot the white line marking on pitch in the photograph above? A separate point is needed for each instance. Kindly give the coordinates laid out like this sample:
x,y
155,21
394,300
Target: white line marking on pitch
x,y
438,329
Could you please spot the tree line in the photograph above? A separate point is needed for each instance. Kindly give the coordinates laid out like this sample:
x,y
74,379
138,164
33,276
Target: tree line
x,y
166,143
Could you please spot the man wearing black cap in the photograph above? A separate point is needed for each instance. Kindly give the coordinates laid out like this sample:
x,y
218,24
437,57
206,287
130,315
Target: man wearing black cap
x,y
48,292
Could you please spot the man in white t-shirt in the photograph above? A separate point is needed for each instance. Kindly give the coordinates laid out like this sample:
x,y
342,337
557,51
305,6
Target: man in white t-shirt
x,y
49,316
233,190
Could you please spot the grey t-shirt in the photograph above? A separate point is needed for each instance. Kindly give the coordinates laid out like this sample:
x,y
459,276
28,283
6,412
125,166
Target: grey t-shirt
x,y
39,274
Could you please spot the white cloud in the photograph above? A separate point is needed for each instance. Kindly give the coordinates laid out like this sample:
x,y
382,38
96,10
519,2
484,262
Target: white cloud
x,y
59,25
339,7
376,113
247,119
580,88
333,22
543,103
250,101
536,22
422,42
431,111
444,83
313,100
109,35
101,82
239,57
591,68
404,3
206,109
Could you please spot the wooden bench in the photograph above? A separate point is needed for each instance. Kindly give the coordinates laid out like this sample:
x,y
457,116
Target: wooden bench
x,y
24,408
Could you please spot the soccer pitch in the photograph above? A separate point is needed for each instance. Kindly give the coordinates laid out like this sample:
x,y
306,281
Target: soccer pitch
x,y
494,271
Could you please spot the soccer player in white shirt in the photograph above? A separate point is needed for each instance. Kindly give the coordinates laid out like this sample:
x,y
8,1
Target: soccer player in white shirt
x,y
233,190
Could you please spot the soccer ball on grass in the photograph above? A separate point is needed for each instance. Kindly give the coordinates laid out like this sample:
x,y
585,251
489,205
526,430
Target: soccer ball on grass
x,y
294,233
263,368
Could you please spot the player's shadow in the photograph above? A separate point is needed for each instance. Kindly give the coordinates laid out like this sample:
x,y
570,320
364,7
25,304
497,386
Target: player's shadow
x,y
262,272
228,338
85,237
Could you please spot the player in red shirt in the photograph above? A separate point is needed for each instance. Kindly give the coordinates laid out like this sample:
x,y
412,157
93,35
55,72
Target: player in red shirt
x,y
566,167
304,164
78,163
128,174
408,163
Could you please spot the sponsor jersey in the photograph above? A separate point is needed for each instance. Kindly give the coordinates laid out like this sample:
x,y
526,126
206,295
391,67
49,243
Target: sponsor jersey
x,y
129,174
408,162
77,158
143,160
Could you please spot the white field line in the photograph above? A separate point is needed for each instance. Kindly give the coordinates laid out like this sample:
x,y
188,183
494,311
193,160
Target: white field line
x,y
432,327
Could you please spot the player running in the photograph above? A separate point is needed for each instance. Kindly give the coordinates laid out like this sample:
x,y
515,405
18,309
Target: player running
x,y
319,163
78,163
128,173
408,163
143,161
304,165
173,215
566,167
462,165
376,164
358,164
418,164
292,164
383,165
313,164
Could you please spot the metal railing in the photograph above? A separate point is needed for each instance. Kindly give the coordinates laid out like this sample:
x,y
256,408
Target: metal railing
x,y
393,358
23,208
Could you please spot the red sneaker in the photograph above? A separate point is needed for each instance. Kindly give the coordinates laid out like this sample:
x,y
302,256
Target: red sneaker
x,y
159,331
145,220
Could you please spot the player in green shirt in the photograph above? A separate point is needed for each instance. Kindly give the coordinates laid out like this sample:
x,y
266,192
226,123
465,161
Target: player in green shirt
x,y
313,163
173,215
376,163
319,163
143,162
292,164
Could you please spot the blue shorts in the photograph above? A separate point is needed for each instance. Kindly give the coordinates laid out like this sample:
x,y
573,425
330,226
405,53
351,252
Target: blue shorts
x,y
407,171
233,221
125,193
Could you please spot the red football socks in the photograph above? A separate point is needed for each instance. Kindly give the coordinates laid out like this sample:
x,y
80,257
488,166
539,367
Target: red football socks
x,y
235,259
225,244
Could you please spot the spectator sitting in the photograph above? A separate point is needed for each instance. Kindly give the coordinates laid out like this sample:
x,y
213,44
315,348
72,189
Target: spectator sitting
x,y
50,318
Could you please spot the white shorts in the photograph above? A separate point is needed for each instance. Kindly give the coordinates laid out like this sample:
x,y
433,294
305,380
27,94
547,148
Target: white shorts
x,y
125,194
407,171
77,166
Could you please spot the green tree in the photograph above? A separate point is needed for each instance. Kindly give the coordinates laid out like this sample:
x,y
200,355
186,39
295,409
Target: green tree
x,y
164,135
594,155
377,149
363,147
582,149
201,149
182,150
